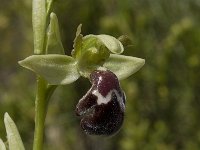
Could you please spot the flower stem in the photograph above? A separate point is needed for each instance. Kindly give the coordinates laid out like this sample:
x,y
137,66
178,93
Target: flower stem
x,y
40,114
44,91
43,95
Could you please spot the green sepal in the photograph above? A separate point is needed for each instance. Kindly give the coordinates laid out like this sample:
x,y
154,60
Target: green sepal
x,y
14,139
113,44
2,145
54,44
56,69
123,66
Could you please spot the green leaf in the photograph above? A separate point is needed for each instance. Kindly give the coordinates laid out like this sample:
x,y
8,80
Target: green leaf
x,y
123,66
113,44
77,42
39,24
14,139
2,145
54,44
56,69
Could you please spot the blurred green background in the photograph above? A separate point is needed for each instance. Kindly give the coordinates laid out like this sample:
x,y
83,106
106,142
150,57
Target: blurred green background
x,y
163,98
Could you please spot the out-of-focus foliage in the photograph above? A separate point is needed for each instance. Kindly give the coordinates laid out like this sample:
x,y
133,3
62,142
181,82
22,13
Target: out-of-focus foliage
x,y
163,100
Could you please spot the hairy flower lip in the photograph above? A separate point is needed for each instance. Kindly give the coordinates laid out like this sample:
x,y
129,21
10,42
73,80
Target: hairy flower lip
x,y
102,108
86,112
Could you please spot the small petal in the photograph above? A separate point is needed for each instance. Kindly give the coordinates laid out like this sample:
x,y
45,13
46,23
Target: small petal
x,y
77,43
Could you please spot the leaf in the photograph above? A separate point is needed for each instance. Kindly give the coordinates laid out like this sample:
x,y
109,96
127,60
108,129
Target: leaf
x,y
2,145
39,24
123,66
113,44
14,139
54,44
56,69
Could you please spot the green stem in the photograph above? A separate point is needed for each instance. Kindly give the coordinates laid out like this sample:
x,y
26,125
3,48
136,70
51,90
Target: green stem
x,y
44,91
40,114
43,95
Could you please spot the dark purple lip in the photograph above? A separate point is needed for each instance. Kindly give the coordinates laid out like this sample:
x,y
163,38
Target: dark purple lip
x,y
102,107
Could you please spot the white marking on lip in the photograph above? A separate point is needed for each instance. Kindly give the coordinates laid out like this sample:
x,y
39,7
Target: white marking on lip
x,y
104,100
